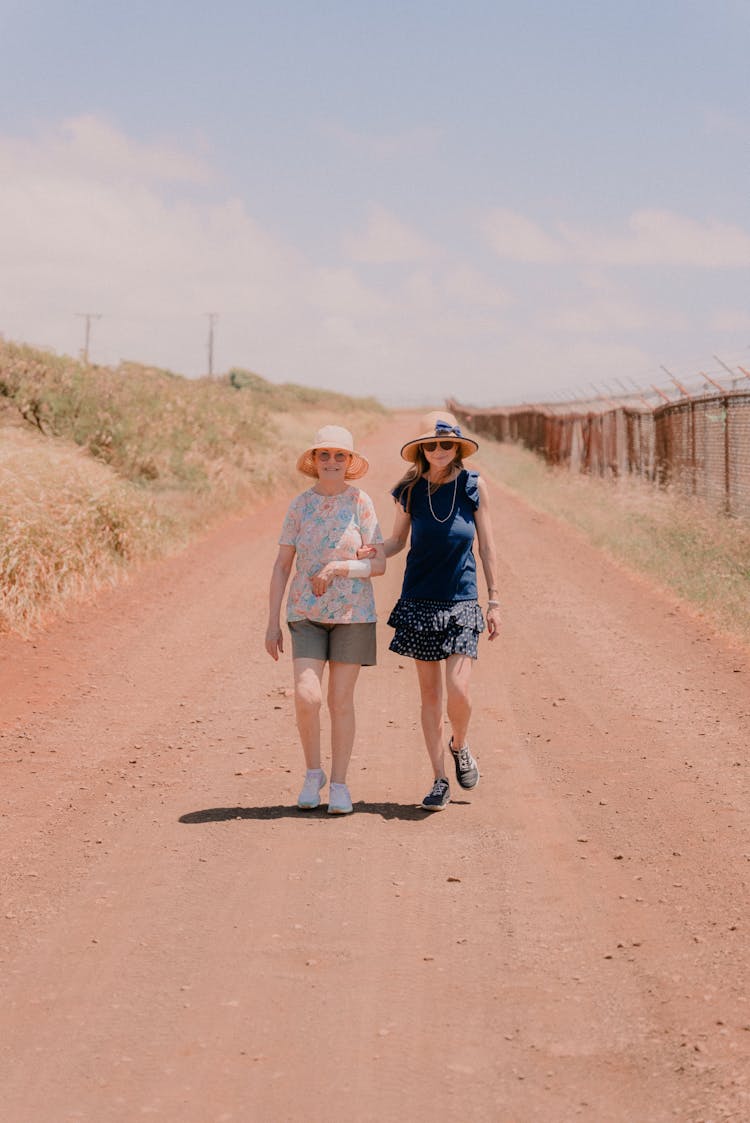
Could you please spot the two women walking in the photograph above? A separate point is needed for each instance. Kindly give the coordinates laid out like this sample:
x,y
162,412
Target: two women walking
x,y
441,508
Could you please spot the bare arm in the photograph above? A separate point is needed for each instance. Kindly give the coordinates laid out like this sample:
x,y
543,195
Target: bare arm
x,y
279,577
488,556
392,545
377,560
399,534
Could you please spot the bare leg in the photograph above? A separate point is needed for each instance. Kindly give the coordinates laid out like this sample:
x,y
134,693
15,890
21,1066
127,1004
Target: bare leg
x,y
430,675
342,678
308,698
457,680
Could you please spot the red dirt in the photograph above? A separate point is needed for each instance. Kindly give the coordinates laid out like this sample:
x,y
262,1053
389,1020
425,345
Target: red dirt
x,y
568,942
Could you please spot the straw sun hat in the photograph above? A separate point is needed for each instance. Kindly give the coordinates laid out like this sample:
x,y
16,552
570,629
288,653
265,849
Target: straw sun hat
x,y
333,437
439,425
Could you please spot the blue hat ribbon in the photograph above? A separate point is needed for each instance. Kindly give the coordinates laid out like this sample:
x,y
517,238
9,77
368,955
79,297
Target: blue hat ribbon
x,y
442,428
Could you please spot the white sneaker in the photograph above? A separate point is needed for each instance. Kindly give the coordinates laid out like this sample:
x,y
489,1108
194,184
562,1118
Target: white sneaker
x,y
339,800
309,797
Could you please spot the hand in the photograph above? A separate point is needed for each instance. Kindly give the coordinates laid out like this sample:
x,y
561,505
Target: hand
x,y
274,641
493,622
365,552
322,579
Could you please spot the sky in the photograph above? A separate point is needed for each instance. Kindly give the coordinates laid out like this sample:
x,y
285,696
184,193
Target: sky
x,y
491,201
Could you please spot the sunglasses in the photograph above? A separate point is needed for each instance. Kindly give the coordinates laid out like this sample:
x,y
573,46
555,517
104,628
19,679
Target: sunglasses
x,y
430,446
339,457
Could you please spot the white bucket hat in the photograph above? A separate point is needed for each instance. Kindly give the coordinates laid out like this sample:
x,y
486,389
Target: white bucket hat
x,y
333,437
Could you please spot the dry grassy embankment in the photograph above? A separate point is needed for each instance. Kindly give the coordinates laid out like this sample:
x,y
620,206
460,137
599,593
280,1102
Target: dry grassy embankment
x,y
701,557
102,467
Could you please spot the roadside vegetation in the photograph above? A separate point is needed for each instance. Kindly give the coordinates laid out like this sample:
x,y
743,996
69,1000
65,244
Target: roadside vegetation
x,y
102,467
703,558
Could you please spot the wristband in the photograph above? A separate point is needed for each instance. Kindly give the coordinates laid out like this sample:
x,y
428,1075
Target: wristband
x,y
358,568
493,603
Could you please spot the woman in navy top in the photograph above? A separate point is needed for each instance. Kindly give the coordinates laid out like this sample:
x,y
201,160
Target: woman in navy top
x,y
437,619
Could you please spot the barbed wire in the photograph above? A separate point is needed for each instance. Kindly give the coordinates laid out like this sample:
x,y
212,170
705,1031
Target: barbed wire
x,y
651,389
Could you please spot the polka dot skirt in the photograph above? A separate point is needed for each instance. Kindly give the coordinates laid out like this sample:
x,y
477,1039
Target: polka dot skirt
x,y
431,630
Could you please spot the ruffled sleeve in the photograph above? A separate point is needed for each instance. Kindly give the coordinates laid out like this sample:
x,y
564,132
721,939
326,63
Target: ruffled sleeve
x,y
471,487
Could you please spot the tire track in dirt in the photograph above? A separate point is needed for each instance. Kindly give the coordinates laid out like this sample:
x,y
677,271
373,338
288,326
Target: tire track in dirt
x,y
567,942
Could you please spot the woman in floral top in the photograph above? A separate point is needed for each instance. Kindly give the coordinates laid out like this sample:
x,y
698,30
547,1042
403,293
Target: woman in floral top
x,y
330,608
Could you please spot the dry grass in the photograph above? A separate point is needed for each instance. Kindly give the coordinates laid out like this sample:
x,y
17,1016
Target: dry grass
x,y
100,468
702,557
67,526
153,426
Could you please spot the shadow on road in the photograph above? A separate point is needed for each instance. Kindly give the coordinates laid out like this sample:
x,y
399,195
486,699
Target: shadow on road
x,y
286,811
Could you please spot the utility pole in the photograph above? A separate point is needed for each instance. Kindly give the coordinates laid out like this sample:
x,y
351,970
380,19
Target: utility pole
x,y
88,317
212,318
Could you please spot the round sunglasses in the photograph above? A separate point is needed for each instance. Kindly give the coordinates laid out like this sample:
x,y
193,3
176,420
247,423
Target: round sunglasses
x,y
339,457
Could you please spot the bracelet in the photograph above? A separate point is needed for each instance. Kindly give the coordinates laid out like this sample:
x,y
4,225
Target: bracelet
x,y
493,603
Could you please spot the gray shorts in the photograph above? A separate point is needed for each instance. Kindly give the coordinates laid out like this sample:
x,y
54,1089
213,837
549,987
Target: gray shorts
x,y
334,643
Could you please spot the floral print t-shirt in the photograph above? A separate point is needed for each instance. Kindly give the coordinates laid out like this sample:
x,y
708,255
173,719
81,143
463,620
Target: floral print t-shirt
x,y
325,528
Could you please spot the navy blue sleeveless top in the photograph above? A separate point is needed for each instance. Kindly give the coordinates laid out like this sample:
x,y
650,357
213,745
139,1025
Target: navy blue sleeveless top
x,y
440,564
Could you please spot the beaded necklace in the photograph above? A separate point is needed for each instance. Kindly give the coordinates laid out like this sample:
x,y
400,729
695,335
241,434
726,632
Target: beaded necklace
x,y
453,502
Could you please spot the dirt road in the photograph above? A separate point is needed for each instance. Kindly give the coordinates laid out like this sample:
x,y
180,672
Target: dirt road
x,y
568,942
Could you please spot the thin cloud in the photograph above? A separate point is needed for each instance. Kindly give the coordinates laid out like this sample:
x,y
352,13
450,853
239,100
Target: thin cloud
x,y
514,237
386,240
610,316
341,293
662,238
470,286
653,238
595,302
91,147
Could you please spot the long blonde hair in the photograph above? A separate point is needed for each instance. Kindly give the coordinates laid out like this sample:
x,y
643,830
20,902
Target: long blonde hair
x,y
417,470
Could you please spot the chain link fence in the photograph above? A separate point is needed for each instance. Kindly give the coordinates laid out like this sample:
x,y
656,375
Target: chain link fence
x,y
698,446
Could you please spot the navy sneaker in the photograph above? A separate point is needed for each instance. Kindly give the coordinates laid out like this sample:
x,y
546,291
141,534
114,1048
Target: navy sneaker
x,y
467,772
438,797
